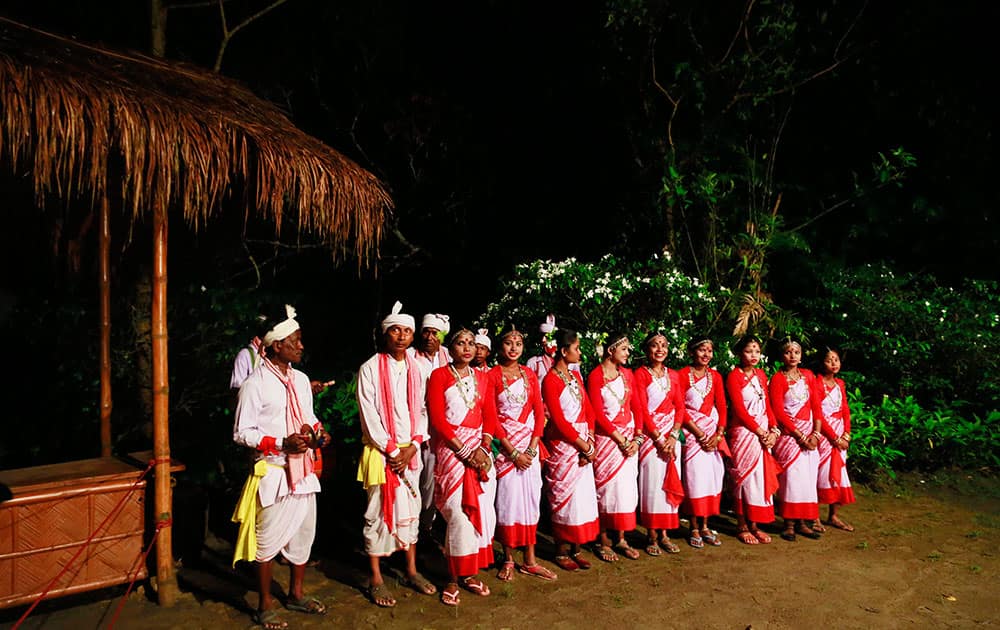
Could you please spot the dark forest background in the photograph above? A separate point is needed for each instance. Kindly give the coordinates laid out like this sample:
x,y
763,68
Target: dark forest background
x,y
766,146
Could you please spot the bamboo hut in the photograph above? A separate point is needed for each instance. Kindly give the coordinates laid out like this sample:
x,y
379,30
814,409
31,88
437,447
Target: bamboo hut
x,y
133,137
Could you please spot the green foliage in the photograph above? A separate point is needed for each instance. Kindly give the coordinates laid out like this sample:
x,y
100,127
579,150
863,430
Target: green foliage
x,y
337,408
611,294
899,434
911,337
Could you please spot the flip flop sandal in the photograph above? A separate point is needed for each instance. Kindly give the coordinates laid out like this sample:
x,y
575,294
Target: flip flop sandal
x,y
761,536
839,524
381,596
566,563
451,598
269,619
711,537
818,527
653,549
506,572
605,553
669,546
309,606
538,571
696,542
627,551
788,535
420,584
475,585
747,537
580,561
808,533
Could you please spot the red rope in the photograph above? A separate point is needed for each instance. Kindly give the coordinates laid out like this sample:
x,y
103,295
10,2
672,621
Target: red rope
x,y
114,512
140,561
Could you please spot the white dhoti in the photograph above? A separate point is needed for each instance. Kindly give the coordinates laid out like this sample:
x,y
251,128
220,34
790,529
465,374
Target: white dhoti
x,y
288,526
379,539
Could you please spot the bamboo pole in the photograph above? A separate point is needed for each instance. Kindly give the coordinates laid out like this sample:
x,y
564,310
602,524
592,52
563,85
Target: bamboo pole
x,y
104,246
166,583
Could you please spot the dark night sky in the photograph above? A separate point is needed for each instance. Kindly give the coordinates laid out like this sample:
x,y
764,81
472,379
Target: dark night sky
x,y
518,137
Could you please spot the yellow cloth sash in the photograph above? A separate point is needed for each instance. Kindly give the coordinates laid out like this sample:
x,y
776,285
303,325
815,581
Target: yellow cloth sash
x,y
371,468
246,514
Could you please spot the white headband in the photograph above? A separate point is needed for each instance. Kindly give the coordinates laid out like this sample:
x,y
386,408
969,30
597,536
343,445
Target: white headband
x,y
436,321
482,339
395,318
282,329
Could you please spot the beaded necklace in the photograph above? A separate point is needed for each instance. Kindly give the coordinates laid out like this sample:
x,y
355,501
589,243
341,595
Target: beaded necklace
x,y
829,388
788,376
607,387
754,384
571,383
517,400
463,388
794,392
708,384
660,380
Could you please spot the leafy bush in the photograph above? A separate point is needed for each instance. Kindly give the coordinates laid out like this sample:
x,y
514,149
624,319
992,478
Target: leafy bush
x,y
337,408
611,294
899,434
911,337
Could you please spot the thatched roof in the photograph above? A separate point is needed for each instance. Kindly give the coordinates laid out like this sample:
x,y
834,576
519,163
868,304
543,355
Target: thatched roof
x,y
186,139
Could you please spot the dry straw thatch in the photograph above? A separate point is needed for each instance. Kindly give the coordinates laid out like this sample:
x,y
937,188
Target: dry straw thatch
x,y
184,138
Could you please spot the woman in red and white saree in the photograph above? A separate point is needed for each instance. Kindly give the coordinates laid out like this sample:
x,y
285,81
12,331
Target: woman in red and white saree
x,y
462,414
520,421
704,428
619,420
799,416
660,488
569,438
833,485
753,431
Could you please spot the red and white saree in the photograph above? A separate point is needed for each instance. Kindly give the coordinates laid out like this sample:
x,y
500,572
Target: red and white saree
x,y
520,417
463,495
570,487
660,488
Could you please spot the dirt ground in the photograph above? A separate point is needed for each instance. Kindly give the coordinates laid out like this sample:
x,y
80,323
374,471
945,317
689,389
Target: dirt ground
x,y
925,554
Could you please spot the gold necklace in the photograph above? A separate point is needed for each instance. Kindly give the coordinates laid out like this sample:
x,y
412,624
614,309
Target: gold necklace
x,y
754,384
804,396
463,389
660,380
620,399
517,400
571,383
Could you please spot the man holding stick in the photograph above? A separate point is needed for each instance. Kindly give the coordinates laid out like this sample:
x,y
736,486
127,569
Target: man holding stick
x,y
391,388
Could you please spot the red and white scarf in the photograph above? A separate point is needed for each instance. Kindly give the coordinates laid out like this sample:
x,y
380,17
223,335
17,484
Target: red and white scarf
x,y
386,411
300,465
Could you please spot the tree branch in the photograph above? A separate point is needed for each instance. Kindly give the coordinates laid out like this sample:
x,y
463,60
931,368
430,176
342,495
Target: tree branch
x,y
739,29
674,103
227,33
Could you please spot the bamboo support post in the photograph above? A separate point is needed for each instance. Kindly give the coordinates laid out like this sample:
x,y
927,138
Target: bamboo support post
x,y
166,583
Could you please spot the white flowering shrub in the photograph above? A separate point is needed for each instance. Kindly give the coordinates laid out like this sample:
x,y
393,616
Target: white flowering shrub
x,y
609,295
910,336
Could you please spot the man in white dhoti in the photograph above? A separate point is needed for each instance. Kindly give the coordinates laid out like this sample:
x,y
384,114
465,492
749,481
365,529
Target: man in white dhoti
x,y
430,355
277,513
391,389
